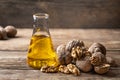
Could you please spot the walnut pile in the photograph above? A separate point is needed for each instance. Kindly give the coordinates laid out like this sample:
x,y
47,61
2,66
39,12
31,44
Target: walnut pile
x,y
74,57
7,32
98,58
85,59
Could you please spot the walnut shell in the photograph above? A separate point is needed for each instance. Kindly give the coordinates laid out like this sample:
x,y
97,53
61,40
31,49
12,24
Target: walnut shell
x,y
97,47
97,59
111,61
74,43
84,65
11,31
64,56
3,34
104,68
0,35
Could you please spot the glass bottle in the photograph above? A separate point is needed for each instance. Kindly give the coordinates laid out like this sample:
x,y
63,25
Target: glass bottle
x,y
40,51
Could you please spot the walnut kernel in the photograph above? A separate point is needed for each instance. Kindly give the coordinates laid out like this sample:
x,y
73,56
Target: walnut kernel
x,y
49,69
73,69
63,69
77,53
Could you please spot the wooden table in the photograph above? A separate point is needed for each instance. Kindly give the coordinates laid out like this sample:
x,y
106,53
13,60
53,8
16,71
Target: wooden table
x,y
13,54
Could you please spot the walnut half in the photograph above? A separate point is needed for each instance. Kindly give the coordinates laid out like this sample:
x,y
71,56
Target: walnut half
x,y
73,69
70,68
49,69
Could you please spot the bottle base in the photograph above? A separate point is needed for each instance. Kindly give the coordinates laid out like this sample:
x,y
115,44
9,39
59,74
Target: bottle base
x,y
38,63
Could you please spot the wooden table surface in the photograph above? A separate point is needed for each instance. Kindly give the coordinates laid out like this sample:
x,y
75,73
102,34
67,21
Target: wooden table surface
x,y
13,54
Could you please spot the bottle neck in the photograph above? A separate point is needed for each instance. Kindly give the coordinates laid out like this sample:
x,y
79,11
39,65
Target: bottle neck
x,y
41,24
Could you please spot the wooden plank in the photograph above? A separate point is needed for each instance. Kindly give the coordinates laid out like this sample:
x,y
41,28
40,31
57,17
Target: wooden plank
x,y
108,37
13,54
37,75
13,64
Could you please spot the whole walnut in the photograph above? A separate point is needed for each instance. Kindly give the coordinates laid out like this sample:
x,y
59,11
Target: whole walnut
x,y
64,56
104,68
111,61
73,43
0,35
97,47
11,31
97,59
3,34
84,65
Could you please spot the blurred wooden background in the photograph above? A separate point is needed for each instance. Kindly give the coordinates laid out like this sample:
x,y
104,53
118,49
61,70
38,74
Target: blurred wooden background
x,y
63,13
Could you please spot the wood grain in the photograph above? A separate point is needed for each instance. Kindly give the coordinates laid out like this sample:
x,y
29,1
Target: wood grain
x,y
13,54
13,64
108,37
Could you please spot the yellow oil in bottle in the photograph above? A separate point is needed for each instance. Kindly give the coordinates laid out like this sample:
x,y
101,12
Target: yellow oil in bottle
x,y
41,52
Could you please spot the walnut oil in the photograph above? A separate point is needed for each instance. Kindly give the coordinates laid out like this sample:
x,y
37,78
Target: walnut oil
x,y
40,51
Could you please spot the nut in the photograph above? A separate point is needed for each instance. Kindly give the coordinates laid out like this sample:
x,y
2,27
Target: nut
x,y
104,68
49,69
111,61
97,59
3,34
77,53
64,56
74,43
61,53
64,69
70,68
0,35
73,69
76,71
11,31
97,47
44,68
84,65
